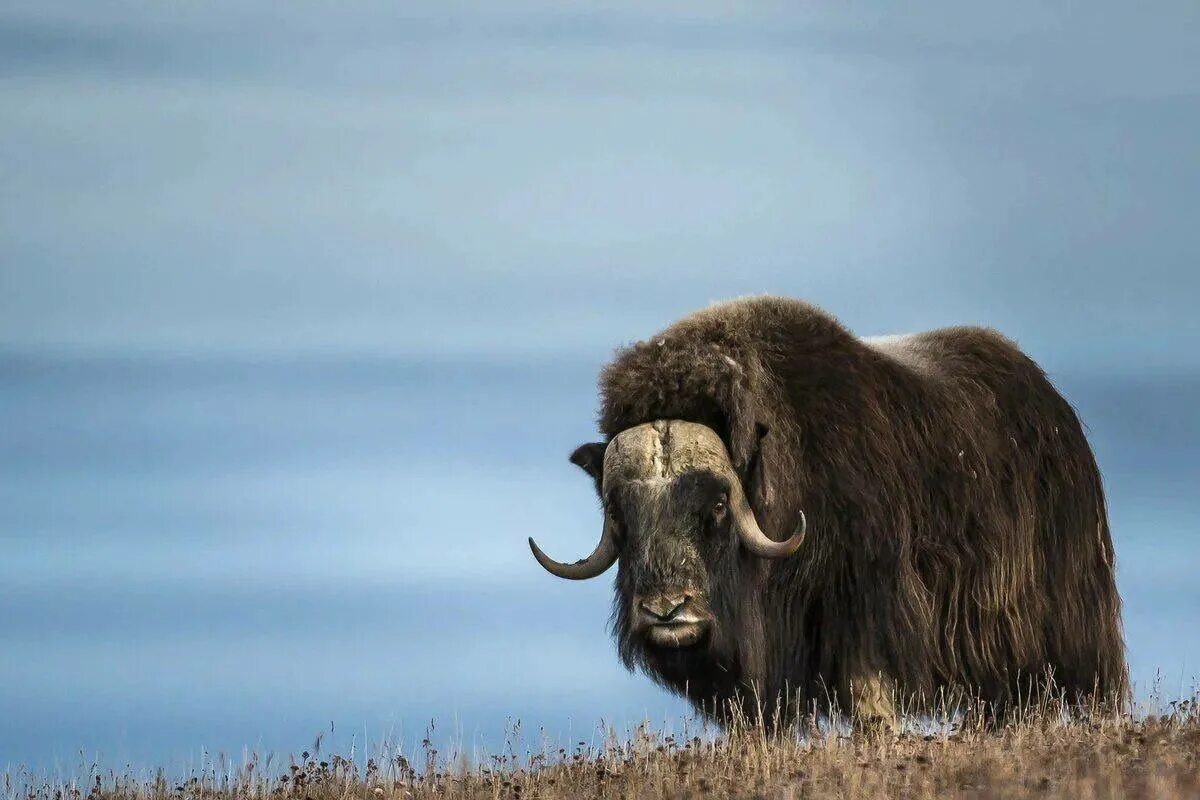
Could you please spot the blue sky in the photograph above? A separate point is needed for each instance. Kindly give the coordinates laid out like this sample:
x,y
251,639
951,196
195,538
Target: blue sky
x,y
440,179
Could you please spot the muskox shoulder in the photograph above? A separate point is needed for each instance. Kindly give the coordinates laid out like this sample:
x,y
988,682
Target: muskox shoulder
x,y
950,352
908,350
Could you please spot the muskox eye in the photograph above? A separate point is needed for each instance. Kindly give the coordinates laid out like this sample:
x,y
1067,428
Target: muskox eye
x,y
719,505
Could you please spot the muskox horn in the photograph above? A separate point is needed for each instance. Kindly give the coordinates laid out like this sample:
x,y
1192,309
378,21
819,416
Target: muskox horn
x,y
752,536
601,558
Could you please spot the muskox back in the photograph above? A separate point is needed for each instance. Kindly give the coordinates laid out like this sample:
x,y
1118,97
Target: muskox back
x,y
958,529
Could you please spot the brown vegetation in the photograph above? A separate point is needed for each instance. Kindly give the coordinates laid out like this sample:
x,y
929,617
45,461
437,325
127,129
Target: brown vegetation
x,y
1040,754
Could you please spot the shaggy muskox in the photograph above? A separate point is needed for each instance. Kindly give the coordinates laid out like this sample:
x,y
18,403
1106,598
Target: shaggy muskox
x,y
802,517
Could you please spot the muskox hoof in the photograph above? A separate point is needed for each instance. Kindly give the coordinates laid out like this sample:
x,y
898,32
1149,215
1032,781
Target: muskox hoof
x,y
877,727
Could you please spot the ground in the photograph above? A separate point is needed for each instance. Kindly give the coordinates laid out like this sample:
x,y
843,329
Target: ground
x,y
1044,754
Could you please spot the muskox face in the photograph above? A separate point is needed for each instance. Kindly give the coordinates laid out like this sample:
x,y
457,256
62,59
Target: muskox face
x,y
677,519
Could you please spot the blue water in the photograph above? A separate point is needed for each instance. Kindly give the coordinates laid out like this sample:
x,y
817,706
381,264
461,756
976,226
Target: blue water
x,y
215,555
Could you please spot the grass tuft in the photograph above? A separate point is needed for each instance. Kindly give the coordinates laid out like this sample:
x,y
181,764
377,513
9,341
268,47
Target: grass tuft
x,y
1040,753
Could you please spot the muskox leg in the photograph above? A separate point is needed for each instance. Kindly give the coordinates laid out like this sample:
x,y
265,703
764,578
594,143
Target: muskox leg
x,y
872,704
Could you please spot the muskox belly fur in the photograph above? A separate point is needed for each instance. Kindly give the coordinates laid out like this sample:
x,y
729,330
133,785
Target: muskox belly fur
x,y
957,531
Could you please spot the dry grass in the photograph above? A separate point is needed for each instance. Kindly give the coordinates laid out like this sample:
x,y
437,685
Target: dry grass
x,y
1044,754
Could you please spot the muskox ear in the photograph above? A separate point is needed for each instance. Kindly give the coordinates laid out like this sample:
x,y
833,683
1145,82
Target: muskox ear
x,y
590,458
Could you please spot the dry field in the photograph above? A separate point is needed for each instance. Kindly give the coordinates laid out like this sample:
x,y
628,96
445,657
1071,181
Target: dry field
x,y
1041,755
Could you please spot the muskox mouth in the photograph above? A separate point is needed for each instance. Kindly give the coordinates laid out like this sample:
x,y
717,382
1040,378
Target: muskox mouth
x,y
681,633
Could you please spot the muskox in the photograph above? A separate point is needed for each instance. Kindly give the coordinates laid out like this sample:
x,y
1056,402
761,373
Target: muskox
x,y
805,519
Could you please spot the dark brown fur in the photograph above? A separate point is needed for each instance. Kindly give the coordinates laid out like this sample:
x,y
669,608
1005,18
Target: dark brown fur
x,y
958,536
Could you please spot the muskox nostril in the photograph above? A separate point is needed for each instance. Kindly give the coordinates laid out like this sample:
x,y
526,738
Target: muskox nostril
x,y
663,608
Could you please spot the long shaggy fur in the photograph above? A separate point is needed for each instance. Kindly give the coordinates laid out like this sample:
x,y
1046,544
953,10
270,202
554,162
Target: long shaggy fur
x,y
958,536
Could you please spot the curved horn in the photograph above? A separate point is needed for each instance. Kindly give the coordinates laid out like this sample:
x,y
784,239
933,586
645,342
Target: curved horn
x,y
601,558
752,536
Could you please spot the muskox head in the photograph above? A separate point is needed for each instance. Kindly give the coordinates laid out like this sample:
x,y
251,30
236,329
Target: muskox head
x,y
677,520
